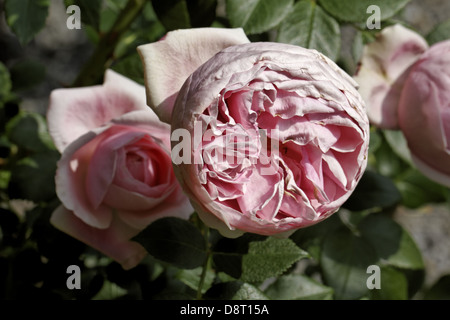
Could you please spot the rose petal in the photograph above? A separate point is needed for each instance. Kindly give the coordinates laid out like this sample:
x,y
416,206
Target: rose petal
x,y
147,120
424,113
432,173
73,112
170,61
125,200
267,191
384,67
178,206
113,241
70,181
103,161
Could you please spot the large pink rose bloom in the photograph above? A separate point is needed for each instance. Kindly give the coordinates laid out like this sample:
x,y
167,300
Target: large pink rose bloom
x,y
115,174
424,112
277,135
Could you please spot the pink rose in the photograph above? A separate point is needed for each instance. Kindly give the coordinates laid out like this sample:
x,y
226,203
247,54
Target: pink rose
x,y
407,86
277,135
383,69
115,174
424,113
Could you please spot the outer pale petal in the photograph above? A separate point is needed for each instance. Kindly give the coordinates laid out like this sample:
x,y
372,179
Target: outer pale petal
x,y
170,61
384,67
113,241
71,178
424,113
73,112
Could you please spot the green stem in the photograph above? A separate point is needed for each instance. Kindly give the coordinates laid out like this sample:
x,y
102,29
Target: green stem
x,y
207,263
347,223
203,275
100,60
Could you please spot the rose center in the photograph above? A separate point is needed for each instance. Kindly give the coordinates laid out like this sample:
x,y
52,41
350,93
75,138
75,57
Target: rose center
x,y
140,168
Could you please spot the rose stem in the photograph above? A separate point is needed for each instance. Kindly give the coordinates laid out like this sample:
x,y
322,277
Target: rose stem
x,y
94,68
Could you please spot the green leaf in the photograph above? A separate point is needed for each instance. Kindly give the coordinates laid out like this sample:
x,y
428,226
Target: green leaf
x,y
357,48
29,131
392,243
191,278
33,177
356,10
307,25
110,291
175,241
257,16
27,73
109,13
373,191
375,140
254,258
440,33
298,287
26,17
417,190
145,28
235,290
269,258
51,241
173,14
228,253
202,12
311,238
416,279
440,290
387,162
5,176
344,261
91,284
10,225
131,67
90,11
5,81
398,144
393,285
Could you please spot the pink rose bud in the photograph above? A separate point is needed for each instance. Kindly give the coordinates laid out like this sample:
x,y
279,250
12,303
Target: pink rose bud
x,y
384,67
115,174
267,137
424,113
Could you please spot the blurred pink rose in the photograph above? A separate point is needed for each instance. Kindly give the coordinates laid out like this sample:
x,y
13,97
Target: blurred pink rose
x,y
407,86
115,174
299,102
424,113
384,67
